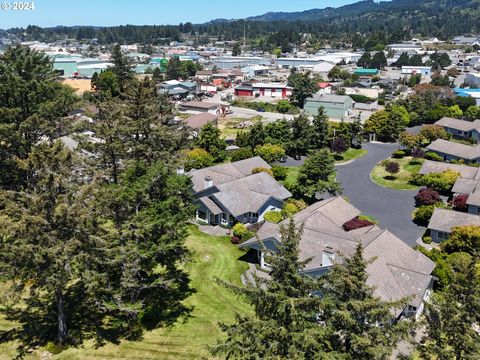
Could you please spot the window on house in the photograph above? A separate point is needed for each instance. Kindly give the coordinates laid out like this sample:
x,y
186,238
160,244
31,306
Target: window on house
x,y
442,235
202,215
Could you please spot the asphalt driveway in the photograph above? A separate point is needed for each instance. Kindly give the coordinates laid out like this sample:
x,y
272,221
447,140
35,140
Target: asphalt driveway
x,y
392,208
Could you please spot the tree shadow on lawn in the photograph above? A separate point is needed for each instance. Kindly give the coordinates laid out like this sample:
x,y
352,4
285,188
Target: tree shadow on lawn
x,y
414,162
390,177
87,319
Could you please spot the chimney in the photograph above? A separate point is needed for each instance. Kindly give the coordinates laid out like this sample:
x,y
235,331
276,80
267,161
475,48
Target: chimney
x,y
208,182
180,170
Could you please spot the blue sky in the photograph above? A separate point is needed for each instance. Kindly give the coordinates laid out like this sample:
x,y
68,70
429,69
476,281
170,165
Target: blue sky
x,y
117,12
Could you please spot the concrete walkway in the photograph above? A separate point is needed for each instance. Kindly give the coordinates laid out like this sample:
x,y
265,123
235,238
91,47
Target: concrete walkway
x,y
248,276
392,208
213,230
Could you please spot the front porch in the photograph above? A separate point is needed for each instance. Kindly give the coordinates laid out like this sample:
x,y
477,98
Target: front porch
x,y
206,216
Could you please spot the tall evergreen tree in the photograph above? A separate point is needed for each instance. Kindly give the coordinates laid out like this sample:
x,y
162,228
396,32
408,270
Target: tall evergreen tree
x,y
356,131
108,128
147,281
209,139
122,67
317,175
145,136
362,323
319,137
303,85
379,60
33,103
284,325
174,69
301,134
256,135
236,51
451,316
365,60
49,241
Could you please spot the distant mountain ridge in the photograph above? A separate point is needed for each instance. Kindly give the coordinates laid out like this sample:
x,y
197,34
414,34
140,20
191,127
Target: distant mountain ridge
x,y
359,23
318,14
357,9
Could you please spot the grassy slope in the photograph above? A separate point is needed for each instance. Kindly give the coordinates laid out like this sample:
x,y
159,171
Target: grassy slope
x,y
212,257
400,181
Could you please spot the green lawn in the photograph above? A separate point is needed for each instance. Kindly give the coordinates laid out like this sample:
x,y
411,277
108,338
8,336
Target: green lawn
x,y
399,181
349,155
292,175
213,257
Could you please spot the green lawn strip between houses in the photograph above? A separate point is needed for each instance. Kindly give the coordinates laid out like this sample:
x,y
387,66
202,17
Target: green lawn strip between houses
x,y
399,181
213,257
349,155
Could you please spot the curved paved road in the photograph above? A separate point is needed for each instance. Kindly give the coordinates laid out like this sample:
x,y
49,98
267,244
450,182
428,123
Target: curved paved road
x,y
392,208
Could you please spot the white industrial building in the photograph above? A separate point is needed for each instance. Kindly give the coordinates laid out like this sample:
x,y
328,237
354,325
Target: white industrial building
x,y
422,70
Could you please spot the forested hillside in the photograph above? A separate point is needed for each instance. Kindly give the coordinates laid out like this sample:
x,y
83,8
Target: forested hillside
x,y
396,20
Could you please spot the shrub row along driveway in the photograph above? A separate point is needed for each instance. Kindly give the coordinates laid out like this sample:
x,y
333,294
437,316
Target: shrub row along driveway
x,y
392,208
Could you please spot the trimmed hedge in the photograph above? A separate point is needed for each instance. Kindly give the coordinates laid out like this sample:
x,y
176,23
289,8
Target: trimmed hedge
x,y
422,215
399,154
433,156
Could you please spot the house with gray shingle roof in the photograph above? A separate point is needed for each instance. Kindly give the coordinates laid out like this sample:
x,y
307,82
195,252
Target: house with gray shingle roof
x,y
397,271
468,183
462,129
230,193
465,171
443,220
198,121
450,150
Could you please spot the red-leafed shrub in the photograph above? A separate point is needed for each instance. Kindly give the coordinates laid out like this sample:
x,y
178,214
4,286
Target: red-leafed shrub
x,y
418,153
392,167
459,202
357,223
427,196
235,240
